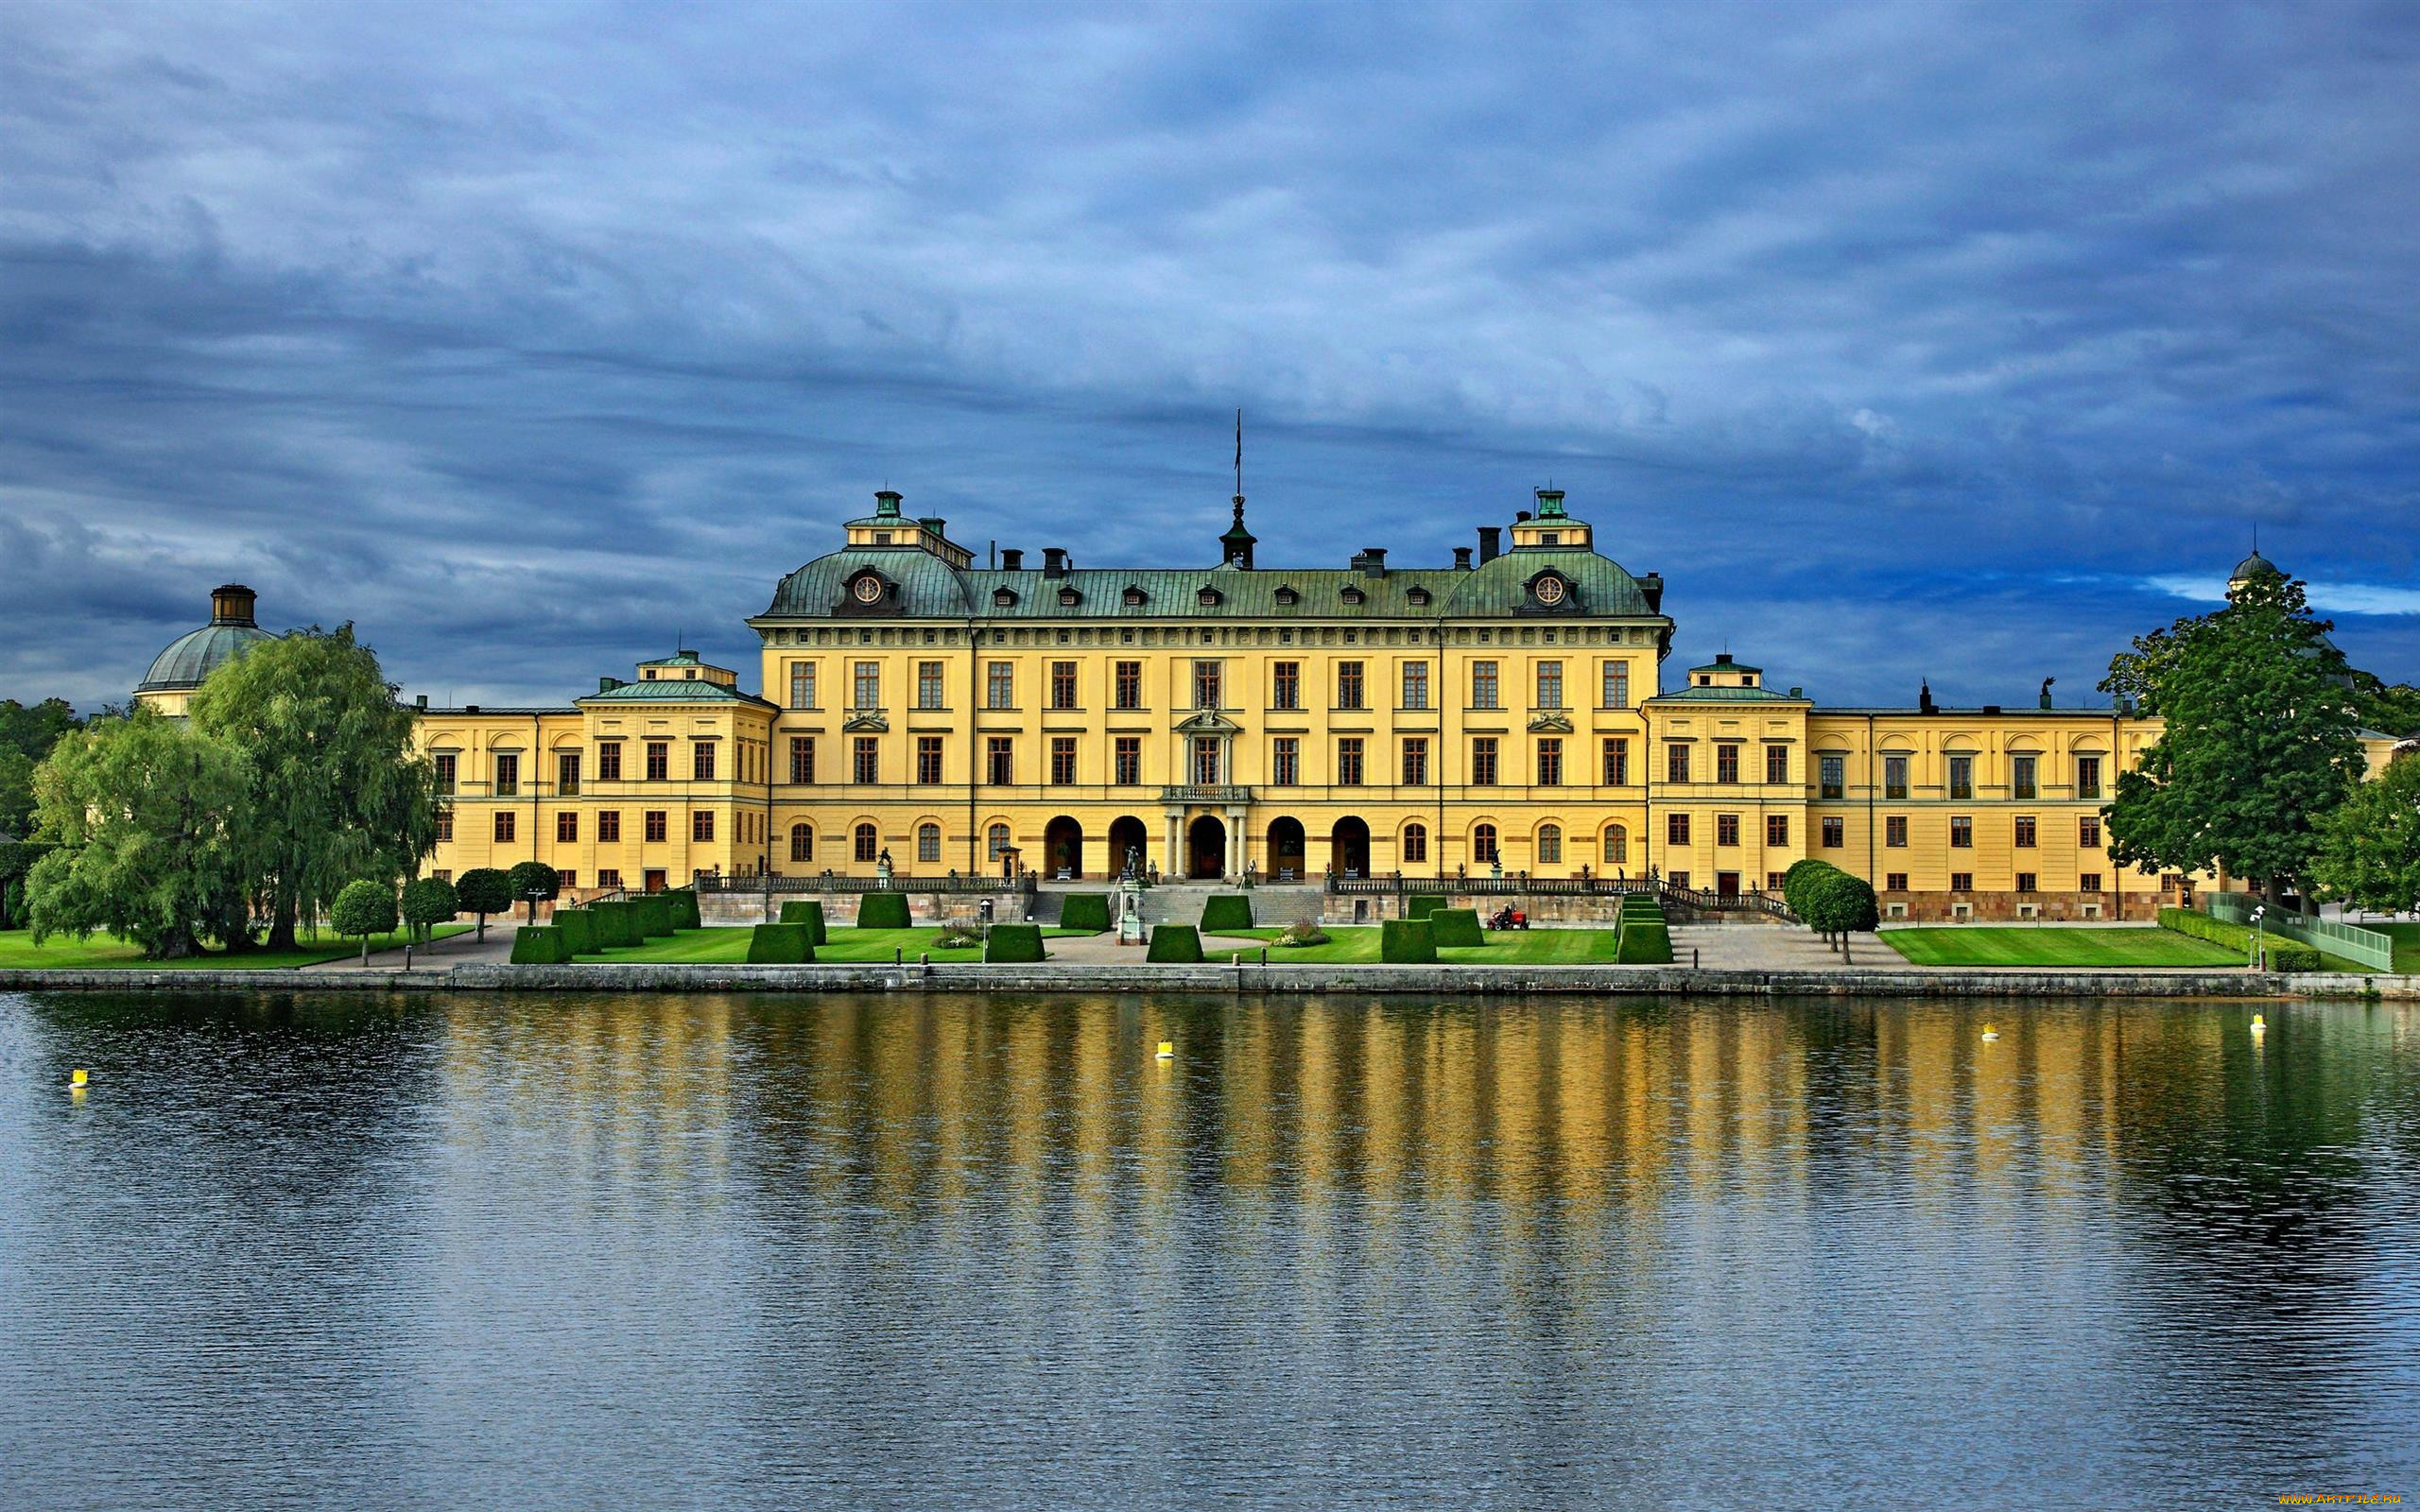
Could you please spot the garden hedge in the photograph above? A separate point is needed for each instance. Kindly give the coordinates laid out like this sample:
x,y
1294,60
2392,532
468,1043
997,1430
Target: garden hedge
x,y
781,945
540,945
654,914
578,927
1225,913
883,910
809,914
1421,904
617,924
1176,945
2284,954
1407,942
1456,926
1013,944
684,908
1644,942
1084,910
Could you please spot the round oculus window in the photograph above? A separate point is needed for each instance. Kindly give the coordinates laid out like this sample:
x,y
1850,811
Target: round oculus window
x,y
1550,590
867,590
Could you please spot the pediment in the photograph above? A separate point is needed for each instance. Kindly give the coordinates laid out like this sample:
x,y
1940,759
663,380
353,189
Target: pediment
x,y
1550,724
870,721
1208,723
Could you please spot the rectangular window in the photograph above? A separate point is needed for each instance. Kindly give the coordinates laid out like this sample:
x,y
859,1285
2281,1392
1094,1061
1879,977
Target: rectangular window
x,y
1833,776
1676,762
1483,761
2088,779
1550,761
609,761
1062,760
1962,882
1415,685
1835,832
2021,782
1676,829
1961,777
802,758
2088,831
1063,684
1415,761
929,759
446,764
2025,882
865,759
1348,685
1348,761
608,879
802,684
1286,685
1549,685
1776,764
1894,829
653,825
1129,760
1962,832
1776,829
566,880
702,825
1482,684
867,685
1726,761
1207,685
567,826
1617,684
659,761
999,759
1727,829
929,842
609,827
445,826
1895,881
1484,849
1205,760
1285,762
1680,879
1894,778
2088,882
2025,832
932,691
1617,753
507,774
701,761
1415,845
505,826
999,685
1130,684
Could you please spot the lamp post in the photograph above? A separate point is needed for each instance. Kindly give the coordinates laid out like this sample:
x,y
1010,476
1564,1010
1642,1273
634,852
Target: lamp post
x,y
2258,954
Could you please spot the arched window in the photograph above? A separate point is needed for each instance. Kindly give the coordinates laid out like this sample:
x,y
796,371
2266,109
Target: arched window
x,y
929,842
998,838
1550,845
802,842
1483,845
1617,846
867,844
1415,844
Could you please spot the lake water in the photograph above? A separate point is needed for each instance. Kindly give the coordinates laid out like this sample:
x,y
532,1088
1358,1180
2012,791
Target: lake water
x,y
774,1252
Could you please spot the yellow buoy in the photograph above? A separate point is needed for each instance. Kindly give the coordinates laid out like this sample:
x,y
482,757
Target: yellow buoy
x,y
2260,1025
1168,1050
76,1078
1990,1033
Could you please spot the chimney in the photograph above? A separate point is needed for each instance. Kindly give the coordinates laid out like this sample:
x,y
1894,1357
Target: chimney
x,y
1490,547
1924,697
1652,586
232,604
1723,659
1462,558
1372,561
421,703
2046,690
1012,559
607,684
1520,517
1991,708
1054,562
469,708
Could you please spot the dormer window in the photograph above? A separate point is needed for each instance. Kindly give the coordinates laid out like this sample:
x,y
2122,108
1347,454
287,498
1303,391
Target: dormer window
x,y
1069,598
882,538
1286,597
1207,597
1706,681
1549,538
1132,596
1354,595
648,673
1004,597
1749,681
1418,595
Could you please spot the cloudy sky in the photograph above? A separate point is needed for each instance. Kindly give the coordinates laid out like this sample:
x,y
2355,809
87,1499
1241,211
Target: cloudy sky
x,y
1904,340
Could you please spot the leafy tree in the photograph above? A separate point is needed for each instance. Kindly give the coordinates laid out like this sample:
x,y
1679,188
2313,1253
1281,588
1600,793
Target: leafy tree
x,y
534,882
148,815
2369,848
2394,710
26,735
429,902
365,907
2259,742
484,891
336,790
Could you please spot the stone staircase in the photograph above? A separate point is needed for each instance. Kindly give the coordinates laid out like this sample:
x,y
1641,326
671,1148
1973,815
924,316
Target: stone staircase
x,y
1271,906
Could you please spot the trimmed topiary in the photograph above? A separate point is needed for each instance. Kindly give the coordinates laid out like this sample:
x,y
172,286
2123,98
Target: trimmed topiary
x,y
781,945
809,914
540,945
1421,904
883,910
1226,913
1086,910
1176,945
684,908
579,928
1456,926
654,914
1013,944
617,925
1407,942
1644,942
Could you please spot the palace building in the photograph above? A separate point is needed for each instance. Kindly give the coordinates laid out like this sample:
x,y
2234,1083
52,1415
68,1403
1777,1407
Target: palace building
x,y
1510,711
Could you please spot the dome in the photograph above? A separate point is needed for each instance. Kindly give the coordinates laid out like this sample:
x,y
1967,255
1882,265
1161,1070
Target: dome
x,y
2253,566
197,654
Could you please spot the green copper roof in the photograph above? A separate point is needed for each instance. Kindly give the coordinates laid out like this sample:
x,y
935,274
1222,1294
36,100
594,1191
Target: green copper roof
x,y
1697,694
678,658
674,690
196,654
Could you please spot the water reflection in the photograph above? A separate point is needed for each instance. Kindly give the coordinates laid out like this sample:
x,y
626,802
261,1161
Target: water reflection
x,y
988,1252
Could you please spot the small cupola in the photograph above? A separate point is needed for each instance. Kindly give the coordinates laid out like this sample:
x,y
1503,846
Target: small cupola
x,y
1548,529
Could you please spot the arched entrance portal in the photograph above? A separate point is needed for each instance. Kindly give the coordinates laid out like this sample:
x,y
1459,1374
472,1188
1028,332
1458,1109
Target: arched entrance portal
x,y
1205,846
1063,848
1349,848
1128,838
1286,849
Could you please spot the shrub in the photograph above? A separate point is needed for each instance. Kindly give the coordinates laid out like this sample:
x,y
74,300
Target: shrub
x,y
363,908
1012,943
958,938
654,914
533,877
17,857
781,945
617,924
809,914
540,945
427,902
1644,942
1086,910
1407,942
883,910
684,908
1456,926
1226,913
578,927
484,891
1421,904
1175,945
2284,954
1303,933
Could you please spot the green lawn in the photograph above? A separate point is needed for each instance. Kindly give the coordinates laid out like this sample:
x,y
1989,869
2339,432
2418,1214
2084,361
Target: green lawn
x,y
846,943
17,949
2044,945
1358,944
2407,945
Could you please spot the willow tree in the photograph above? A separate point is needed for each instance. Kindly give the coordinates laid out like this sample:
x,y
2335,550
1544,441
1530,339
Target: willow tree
x,y
336,791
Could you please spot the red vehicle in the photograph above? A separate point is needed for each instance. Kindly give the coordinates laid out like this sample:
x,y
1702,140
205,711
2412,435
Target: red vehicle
x,y
1508,917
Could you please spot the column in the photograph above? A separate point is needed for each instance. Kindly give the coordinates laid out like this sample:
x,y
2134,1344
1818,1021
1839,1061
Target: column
x,y
1234,841
1172,862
